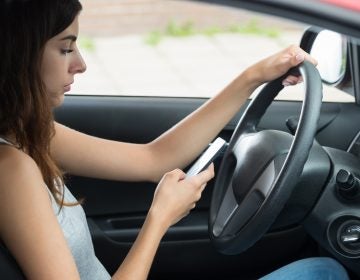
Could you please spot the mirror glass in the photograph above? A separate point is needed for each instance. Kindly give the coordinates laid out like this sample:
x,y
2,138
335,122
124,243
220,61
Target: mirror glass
x,y
329,49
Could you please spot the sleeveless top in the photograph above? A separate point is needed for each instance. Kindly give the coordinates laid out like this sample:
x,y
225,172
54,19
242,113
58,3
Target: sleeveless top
x,y
73,222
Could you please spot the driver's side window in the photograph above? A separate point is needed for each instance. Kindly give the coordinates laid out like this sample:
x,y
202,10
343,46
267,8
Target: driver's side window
x,y
177,48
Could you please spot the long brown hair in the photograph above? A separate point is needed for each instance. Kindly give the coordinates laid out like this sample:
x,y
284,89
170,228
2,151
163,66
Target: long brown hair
x,y
25,111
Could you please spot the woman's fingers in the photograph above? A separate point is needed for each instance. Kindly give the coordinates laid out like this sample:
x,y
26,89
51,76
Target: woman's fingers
x,y
292,80
176,194
297,56
203,177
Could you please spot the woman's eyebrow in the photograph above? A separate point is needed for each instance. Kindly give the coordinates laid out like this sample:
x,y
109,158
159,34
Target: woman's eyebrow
x,y
69,37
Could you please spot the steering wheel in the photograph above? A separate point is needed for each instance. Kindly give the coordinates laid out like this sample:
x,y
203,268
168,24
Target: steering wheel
x,y
260,169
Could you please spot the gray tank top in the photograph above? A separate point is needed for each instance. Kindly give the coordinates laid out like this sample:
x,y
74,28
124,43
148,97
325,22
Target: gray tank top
x,y
73,222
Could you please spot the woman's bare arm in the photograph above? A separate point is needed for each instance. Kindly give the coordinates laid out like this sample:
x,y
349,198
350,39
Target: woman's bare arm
x,y
30,230
90,156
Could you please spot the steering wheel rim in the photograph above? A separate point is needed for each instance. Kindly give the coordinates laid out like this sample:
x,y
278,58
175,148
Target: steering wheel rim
x,y
242,207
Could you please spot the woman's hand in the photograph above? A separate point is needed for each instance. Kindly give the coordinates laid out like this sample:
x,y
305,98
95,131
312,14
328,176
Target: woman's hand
x,y
278,64
176,195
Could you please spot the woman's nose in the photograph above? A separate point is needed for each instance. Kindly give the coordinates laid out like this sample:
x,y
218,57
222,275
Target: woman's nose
x,y
78,66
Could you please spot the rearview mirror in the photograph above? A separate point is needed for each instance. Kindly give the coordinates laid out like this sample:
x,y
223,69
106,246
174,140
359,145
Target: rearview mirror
x,y
329,49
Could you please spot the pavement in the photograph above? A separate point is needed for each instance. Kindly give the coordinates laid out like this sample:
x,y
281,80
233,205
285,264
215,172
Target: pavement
x,y
119,61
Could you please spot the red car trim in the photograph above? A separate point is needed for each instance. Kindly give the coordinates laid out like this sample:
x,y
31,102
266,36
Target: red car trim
x,y
347,4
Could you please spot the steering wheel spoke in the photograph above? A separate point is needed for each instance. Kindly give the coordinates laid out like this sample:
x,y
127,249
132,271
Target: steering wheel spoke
x,y
226,211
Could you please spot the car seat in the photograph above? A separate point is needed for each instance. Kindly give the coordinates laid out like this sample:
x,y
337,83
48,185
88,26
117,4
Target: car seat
x,y
8,266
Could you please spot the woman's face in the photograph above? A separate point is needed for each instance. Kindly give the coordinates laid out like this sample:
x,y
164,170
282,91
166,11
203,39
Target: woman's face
x,y
61,61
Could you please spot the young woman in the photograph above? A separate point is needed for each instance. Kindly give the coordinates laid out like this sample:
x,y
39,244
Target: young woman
x,y
41,223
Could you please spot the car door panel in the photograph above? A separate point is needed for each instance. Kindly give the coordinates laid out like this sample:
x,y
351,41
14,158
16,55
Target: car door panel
x,y
116,210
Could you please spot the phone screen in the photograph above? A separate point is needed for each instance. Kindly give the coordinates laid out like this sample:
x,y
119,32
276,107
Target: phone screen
x,y
207,157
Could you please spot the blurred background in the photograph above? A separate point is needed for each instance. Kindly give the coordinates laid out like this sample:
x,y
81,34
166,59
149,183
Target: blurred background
x,y
175,48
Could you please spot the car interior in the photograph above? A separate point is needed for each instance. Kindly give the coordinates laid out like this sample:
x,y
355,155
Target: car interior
x,y
287,186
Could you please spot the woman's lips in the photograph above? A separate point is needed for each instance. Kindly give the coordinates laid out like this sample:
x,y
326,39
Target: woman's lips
x,y
67,88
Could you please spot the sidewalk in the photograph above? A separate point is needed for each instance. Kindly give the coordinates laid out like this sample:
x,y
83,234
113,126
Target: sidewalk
x,y
194,66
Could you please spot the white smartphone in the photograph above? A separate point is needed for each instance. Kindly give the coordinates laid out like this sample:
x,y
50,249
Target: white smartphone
x,y
207,157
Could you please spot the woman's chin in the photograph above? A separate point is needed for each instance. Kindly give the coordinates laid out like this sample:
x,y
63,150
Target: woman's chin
x,y
57,101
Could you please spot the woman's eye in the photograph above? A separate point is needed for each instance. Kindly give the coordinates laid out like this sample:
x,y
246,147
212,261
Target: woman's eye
x,y
66,51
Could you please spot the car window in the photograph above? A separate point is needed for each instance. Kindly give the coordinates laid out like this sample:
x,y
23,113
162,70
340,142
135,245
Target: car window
x,y
177,48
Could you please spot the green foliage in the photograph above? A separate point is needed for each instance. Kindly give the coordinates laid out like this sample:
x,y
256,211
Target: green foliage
x,y
183,30
211,31
253,28
153,38
87,43
187,29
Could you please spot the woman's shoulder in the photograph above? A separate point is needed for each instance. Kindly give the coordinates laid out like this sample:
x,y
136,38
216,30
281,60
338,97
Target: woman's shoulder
x,y
22,189
16,167
27,216
10,155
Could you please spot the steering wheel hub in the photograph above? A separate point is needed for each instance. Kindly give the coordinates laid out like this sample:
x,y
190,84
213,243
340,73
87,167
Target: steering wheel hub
x,y
253,154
